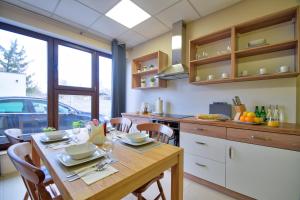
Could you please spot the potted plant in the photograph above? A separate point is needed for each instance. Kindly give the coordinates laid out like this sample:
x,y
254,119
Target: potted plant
x,y
152,81
143,82
144,68
151,66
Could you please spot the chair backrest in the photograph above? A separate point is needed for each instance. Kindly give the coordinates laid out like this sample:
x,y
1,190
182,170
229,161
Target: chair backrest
x,y
157,131
14,135
121,124
32,176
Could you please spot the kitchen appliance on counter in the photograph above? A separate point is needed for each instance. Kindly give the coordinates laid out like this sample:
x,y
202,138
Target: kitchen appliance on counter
x,y
173,124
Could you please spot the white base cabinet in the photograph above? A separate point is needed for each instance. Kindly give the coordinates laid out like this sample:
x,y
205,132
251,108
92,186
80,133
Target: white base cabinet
x,y
263,173
204,157
260,172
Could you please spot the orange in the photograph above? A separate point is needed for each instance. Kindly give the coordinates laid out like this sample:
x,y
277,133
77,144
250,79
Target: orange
x,y
249,119
242,119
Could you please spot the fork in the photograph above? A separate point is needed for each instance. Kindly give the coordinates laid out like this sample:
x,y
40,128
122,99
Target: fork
x,y
101,167
57,144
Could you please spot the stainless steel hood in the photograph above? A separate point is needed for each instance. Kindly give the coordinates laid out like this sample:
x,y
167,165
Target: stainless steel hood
x,y
177,70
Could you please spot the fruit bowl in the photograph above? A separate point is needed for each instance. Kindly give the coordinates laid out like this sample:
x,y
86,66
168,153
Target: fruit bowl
x,y
251,123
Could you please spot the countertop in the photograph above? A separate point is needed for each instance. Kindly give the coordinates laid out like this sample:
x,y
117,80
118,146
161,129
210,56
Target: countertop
x,y
284,128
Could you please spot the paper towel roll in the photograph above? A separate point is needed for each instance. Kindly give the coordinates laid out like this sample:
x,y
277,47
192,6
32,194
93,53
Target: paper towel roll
x,y
159,106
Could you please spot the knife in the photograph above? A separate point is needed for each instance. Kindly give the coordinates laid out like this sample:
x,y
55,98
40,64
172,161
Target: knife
x,y
238,101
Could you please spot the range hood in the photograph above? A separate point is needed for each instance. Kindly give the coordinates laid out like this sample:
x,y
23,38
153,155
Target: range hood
x,y
177,70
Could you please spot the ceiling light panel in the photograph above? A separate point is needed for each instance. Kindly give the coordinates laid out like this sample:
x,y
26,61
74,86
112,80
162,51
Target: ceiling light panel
x,y
127,13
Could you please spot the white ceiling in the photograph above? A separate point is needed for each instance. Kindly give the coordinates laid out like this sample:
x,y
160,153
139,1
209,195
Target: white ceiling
x,y
89,15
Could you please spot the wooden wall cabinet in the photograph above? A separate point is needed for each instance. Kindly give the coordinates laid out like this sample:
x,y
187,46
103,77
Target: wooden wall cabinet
x,y
159,60
232,54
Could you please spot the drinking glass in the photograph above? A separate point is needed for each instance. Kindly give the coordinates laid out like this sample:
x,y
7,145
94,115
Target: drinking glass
x,y
75,132
108,147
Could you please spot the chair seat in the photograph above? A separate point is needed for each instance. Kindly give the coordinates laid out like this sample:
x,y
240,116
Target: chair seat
x,y
144,187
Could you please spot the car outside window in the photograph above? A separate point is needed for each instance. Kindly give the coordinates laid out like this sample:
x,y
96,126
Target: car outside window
x,y
63,110
11,106
39,107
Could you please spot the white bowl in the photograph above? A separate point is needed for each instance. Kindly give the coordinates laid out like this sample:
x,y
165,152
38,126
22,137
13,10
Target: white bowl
x,y
55,135
137,137
80,151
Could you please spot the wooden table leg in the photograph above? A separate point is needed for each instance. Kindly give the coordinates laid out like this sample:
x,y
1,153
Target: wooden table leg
x,y
35,156
177,179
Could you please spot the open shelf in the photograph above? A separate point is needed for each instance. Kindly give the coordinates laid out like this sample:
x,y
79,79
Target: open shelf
x,y
248,78
158,59
267,76
281,30
268,20
266,49
145,88
212,59
150,71
215,81
219,35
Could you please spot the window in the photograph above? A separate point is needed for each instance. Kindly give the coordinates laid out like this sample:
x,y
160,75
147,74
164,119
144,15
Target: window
x,y
11,106
105,86
74,67
73,108
48,72
40,106
23,69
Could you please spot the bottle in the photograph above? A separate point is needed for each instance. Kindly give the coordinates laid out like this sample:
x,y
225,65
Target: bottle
x,y
269,112
276,115
257,112
263,113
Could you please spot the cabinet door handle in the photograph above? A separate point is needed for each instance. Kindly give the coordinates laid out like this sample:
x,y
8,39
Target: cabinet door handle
x,y
202,143
254,137
200,165
200,129
230,152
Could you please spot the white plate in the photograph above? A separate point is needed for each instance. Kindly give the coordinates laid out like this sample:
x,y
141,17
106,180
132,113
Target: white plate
x,y
66,160
45,139
127,141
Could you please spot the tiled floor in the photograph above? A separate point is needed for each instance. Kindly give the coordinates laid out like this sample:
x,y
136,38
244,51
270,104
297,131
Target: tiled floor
x,y
12,188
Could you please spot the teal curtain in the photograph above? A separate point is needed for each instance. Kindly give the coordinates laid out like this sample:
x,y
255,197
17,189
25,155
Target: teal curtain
x,y
118,79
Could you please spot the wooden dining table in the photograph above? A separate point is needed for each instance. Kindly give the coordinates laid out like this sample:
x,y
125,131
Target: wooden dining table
x,y
134,170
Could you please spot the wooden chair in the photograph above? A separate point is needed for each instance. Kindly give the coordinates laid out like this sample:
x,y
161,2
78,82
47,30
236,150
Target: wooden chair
x,y
121,124
33,177
163,134
14,136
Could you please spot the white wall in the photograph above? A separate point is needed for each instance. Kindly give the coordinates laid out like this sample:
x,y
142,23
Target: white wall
x,y
12,84
185,98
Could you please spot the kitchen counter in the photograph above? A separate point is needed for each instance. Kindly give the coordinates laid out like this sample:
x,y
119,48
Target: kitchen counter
x,y
151,116
284,128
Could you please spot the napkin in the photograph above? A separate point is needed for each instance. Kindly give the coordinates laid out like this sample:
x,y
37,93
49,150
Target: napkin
x,y
97,135
60,145
96,175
